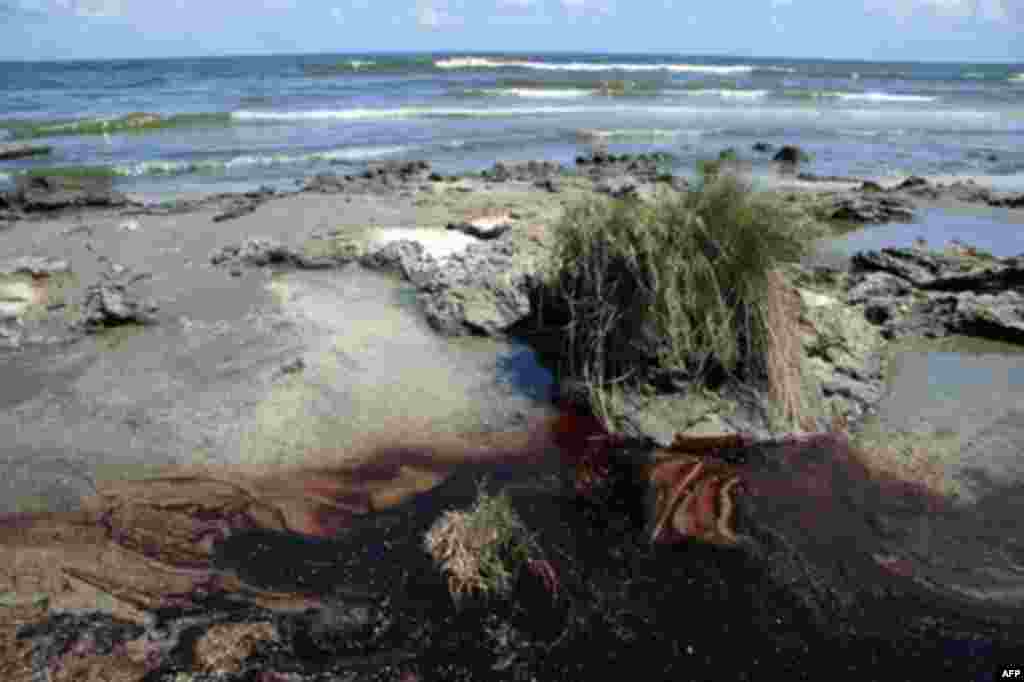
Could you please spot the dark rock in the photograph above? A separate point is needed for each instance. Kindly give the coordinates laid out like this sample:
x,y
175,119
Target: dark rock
x,y
874,285
242,208
17,150
871,186
912,182
618,188
999,316
791,154
548,185
259,252
481,231
484,290
379,177
296,365
919,187
110,303
36,266
870,209
812,177
762,147
879,312
1007,201
436,177
970,192
524,171
850,389
934,271
406,257
924,293
53,192
326,183
645,168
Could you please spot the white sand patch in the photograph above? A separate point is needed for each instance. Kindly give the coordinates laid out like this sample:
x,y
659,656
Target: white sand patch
x,y
438,243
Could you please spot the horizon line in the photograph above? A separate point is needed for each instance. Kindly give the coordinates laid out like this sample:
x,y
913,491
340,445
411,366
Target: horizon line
x,y
497,53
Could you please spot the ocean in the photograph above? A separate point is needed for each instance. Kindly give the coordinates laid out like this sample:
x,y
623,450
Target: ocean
x,y
235,123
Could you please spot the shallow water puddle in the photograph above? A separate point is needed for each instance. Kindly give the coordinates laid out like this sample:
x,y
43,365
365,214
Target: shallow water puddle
x,y
994,230
373,361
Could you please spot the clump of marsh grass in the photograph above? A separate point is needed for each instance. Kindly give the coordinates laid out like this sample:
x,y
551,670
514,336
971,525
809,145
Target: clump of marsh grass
x,y
481,549
688,284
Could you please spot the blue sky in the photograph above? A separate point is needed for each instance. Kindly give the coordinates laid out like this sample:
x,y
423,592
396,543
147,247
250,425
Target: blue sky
x,y
928,30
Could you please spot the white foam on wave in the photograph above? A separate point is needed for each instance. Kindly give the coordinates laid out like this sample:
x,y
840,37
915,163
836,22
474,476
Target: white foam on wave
x,y
485,63
400,112
532,93
882,97
634,133
1016,78
683,115
256,160
472,63
723,93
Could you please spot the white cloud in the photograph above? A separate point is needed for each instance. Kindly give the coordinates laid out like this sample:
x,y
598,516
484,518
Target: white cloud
x,y
90,8
435,14
998,11
592,7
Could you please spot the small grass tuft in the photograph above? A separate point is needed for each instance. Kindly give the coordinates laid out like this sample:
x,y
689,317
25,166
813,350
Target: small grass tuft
x,y
481,549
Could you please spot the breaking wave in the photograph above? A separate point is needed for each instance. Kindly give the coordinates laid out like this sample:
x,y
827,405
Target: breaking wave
x,y
721,92
487,63
144,168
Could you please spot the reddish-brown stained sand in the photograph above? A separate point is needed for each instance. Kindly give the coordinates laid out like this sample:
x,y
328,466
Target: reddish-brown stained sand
x,y
141,546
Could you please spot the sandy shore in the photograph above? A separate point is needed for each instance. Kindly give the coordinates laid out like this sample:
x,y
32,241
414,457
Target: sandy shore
x,y
206,382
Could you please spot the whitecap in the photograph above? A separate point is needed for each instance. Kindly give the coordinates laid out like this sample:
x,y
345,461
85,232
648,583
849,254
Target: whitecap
x,y
485,63
531,93
723,93
883,97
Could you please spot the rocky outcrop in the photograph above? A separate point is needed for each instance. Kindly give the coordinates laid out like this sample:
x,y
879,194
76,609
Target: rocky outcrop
x,y
17,150
525,171
934,271
378,178
406,257
967,191
483,290
54,192
484,227
869,208
260,252
643,167
914,292
840,348
110,303
791,154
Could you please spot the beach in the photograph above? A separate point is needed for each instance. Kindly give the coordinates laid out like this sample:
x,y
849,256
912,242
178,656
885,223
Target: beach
x,y
230,292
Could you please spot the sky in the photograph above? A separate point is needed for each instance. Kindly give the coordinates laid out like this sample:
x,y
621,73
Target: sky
x,y
878,30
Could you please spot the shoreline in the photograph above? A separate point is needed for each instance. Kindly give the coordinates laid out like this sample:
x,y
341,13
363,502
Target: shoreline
x,y
266,303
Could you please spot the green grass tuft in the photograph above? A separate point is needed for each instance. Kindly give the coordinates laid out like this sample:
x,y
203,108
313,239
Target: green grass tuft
x,y
682,284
